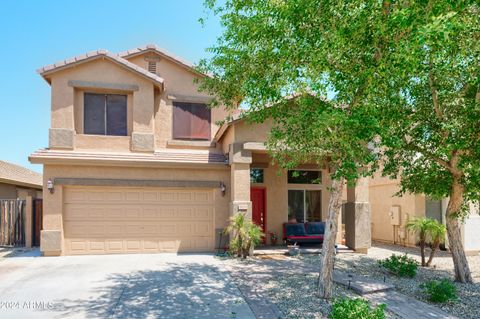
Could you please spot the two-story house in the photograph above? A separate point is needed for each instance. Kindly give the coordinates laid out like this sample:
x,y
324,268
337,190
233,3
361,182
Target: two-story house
x,y
137,163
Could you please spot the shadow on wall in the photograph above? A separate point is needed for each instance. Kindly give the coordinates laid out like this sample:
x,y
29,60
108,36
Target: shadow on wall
x,y
189,291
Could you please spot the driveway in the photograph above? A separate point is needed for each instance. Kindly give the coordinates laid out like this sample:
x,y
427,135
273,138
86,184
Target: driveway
x,y
118,286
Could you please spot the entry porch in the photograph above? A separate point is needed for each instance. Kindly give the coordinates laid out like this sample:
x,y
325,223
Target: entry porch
x,y
272,197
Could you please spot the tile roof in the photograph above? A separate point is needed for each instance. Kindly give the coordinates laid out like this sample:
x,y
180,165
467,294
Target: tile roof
x,y
160,157
153,47
18,175
44,71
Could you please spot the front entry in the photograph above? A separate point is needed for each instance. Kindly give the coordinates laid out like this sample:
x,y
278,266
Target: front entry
x,y
259,208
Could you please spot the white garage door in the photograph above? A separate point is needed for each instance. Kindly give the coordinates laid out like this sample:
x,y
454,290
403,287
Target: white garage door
x,y
108,220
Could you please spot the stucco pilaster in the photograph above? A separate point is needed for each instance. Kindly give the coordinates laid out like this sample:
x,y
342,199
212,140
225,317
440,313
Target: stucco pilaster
x,y
240,161
51,241
358,217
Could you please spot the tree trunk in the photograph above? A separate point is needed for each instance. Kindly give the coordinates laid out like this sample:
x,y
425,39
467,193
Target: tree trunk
x,y
460,263
422,250
435,246
328,247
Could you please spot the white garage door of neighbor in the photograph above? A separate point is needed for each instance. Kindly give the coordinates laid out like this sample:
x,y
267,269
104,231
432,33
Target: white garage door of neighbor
x,y
109,220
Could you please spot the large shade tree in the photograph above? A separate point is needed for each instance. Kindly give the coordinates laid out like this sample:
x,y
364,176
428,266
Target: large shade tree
x,y
279,59
430,103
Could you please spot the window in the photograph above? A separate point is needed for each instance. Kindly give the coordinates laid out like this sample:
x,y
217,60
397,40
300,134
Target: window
x,y
305,205
191,121
105,114
304,177
256,175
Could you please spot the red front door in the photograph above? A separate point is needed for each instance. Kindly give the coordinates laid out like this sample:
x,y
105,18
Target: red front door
x,y
259,208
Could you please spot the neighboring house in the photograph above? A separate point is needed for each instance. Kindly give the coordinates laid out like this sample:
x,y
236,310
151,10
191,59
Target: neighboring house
x,y
391,213
137,163
19,182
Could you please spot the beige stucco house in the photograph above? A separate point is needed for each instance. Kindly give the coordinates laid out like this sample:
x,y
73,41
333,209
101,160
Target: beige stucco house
x,y
19,182
137,163
390,214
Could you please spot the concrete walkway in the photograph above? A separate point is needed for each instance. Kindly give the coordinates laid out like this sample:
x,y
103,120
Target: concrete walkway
x,y
256,272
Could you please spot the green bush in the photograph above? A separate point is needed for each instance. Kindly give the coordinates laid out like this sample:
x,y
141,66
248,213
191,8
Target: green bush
x,y
356,308
440,290
400,265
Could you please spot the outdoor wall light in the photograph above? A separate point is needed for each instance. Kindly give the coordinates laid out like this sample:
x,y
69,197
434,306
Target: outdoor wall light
x,y
50,186
223,188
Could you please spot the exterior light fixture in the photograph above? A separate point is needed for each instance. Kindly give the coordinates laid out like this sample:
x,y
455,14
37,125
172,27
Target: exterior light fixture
x,y
223,188
50,186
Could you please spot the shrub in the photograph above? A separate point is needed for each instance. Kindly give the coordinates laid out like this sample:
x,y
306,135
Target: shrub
x,y
400,265
440,290
245,235
346,308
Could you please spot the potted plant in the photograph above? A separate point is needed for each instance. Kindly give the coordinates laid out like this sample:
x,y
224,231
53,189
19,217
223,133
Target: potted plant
x,y
273,238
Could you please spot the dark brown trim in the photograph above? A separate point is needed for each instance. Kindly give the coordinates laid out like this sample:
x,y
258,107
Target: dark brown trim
x,y
135,183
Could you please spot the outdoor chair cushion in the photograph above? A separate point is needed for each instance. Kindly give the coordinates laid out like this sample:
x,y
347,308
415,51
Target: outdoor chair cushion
x,y
315,228
295,229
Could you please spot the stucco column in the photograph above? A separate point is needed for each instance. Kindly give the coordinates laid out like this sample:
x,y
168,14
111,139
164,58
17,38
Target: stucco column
x,y
51,237
240,161
143,135
358,217
28,221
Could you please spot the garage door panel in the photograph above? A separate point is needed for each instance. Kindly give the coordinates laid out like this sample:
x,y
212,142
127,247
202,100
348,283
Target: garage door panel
x,y
100,220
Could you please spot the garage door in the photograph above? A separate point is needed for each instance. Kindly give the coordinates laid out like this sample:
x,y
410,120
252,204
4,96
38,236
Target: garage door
x,y
108,220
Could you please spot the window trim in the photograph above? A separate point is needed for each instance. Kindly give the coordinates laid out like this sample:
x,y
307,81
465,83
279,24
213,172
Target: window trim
x,y
173,121
105,94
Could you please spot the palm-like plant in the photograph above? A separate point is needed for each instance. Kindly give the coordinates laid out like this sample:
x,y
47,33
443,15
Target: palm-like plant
x,y
429,231
245,235
437,236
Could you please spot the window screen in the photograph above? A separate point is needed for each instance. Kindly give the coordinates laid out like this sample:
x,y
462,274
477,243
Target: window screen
x,y
105,114
191,121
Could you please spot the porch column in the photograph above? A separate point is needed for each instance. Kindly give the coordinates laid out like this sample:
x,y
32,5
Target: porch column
x,y
357,217
240,160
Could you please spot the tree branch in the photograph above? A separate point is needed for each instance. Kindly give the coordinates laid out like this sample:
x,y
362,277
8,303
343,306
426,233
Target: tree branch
x,y
433,89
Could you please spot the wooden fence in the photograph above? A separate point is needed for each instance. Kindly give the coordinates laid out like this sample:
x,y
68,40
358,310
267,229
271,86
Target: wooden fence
x,y
12,222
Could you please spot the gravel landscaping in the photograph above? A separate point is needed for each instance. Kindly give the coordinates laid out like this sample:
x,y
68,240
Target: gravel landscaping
x,y
295,295
367,265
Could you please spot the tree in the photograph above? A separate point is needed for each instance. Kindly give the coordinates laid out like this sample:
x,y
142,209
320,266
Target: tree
x,y
270,58
430,101
429,231
245,235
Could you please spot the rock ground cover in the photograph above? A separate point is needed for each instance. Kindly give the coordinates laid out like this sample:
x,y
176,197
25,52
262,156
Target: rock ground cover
x,y
367,265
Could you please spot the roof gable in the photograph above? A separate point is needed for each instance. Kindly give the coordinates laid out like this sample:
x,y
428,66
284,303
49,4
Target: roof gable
x,y
162,52
95,55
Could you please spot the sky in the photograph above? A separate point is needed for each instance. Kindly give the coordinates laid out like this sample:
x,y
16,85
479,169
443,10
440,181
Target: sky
x,y
35,33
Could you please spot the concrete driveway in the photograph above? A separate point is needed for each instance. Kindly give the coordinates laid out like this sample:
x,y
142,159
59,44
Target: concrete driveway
x,y
118,286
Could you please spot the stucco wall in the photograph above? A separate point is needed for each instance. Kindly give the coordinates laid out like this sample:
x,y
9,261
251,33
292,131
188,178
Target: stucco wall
x,y
67,102
8,191
179,83
382,198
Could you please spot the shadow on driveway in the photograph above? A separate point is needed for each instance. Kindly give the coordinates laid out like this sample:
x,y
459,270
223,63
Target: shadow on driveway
x,y
173,291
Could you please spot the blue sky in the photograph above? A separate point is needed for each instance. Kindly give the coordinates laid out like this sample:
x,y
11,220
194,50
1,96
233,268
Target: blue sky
x,y
36,33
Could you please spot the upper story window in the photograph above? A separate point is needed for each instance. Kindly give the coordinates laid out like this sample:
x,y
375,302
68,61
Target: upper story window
x,y
304,177
191,121
105,114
